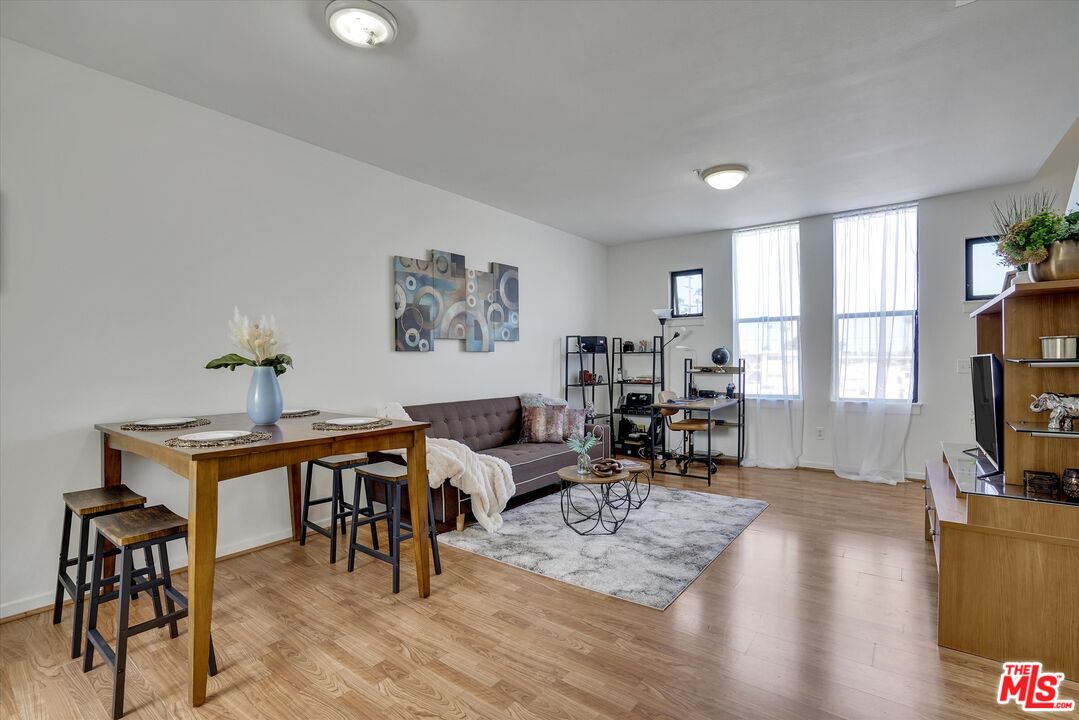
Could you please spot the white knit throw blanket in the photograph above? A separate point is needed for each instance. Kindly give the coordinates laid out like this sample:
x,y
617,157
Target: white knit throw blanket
x,y
487,480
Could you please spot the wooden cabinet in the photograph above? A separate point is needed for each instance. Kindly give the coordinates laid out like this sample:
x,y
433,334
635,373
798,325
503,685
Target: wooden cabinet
x,y
1009,570
1010,326
1009,562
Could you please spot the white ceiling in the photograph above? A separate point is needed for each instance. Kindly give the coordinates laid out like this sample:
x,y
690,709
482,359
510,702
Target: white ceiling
x,y
590,116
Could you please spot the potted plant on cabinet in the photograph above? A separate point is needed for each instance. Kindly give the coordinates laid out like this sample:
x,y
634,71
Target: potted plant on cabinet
x,y
1033,235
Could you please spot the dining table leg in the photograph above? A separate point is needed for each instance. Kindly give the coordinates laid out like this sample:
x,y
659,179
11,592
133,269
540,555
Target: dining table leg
x,y
201,555
111,476
294,503
417,503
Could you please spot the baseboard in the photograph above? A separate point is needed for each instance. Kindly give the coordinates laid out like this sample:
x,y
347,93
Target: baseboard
x,y
34,604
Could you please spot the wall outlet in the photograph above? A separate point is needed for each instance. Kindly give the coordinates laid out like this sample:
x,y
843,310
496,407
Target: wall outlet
x,y
962,366
820,433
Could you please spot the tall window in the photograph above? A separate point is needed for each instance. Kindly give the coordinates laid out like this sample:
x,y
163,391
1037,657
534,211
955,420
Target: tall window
x,y
687,293
875,353
767,309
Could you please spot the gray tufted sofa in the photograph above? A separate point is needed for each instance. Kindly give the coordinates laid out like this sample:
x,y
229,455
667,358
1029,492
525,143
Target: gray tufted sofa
x,y
493,427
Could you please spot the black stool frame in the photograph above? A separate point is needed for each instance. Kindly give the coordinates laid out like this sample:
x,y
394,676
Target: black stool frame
x,y
339,509
392,516
127,589
78,587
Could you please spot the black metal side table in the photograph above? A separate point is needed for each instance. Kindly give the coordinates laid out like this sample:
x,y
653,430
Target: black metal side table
x,y
599,504
639,485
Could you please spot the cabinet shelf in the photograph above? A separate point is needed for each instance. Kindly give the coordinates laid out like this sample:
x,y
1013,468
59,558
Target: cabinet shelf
x,y
1046,362
1041,430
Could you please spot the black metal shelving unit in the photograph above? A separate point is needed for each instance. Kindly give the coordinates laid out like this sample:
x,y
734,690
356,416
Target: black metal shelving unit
x,y
738,371
621,387
586,361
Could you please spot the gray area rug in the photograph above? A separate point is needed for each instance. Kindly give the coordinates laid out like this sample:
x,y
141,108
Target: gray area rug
x,y
658,552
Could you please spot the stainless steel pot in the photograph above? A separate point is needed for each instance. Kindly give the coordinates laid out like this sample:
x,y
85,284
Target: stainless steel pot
x,y
1060,347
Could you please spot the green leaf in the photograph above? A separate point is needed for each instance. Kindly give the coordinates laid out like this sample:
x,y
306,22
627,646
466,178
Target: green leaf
x,y
230,361
280,363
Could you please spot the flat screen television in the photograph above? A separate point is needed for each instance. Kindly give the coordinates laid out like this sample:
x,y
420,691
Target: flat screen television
x,y
987,377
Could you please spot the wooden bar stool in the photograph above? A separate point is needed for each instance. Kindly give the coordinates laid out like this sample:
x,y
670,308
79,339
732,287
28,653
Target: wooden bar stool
x,y
339,509
141,529
391,476
87,504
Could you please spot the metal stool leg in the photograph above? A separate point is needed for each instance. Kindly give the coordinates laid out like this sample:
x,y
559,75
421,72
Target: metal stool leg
x,y
335,507
368,490
151,574
95,592
306,504
432,531
120,667
65,543
80,581
395,536
166,574
341,509
355,525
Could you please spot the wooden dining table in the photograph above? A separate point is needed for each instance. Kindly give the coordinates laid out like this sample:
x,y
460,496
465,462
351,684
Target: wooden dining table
x,y
292,442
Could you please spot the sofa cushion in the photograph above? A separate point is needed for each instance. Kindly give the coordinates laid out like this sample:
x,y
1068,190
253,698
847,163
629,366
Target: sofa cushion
x,y
542,424
532,460
479,424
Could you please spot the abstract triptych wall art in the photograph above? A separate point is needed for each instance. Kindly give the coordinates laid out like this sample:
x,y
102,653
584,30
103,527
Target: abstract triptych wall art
x,y
440,299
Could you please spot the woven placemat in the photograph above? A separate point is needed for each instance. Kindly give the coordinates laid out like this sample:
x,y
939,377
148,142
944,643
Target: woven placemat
x,y
300,413
197,422
361,426
243,440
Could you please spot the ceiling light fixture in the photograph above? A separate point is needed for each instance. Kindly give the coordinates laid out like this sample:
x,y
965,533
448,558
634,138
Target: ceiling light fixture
x,y
361,23
724,177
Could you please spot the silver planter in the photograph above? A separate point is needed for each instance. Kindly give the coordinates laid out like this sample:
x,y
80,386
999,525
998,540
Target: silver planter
x,y
1062,263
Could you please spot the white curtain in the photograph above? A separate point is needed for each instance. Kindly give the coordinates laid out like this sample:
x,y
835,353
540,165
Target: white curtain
x,y
767,312
874,333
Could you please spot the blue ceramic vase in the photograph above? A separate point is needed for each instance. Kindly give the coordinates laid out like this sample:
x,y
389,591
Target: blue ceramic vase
x,y
264,403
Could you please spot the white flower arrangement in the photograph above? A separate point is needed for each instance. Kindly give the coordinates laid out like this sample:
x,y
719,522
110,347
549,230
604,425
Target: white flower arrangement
x,y
261,339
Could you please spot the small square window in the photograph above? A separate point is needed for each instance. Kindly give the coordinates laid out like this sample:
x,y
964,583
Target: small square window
x,y
985,274
687,293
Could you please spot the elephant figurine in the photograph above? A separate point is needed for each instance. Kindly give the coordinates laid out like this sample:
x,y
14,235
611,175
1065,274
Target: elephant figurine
x,y
1062,409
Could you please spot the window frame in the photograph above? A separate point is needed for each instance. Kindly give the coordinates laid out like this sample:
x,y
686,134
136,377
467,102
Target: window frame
x,y
914,314
675,274
969,262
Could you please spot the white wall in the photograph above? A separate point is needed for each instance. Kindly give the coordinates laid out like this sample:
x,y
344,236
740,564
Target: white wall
x,y
133,222
638,281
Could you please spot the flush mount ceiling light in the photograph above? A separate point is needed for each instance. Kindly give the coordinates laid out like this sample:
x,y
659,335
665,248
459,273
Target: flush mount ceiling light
x,y
361,23
724,177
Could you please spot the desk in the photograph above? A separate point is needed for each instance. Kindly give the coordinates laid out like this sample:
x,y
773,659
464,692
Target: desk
x,y
293,442
705,405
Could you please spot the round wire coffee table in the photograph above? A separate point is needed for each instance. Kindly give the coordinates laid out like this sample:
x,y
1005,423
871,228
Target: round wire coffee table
x,y
593,505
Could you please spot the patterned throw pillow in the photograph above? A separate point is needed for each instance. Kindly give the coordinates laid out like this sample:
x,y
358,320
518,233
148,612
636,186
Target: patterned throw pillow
x,y
542,424
574,423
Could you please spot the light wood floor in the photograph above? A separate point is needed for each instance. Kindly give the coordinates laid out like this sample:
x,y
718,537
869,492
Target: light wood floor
x,y
823,608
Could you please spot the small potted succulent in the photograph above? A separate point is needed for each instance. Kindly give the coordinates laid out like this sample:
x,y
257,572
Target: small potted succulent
x,y
261,339
1032,234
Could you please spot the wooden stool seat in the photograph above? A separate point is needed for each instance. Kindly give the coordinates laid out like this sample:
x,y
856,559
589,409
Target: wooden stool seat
x,y
103,499
341,462
384,471
690,425
138,526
